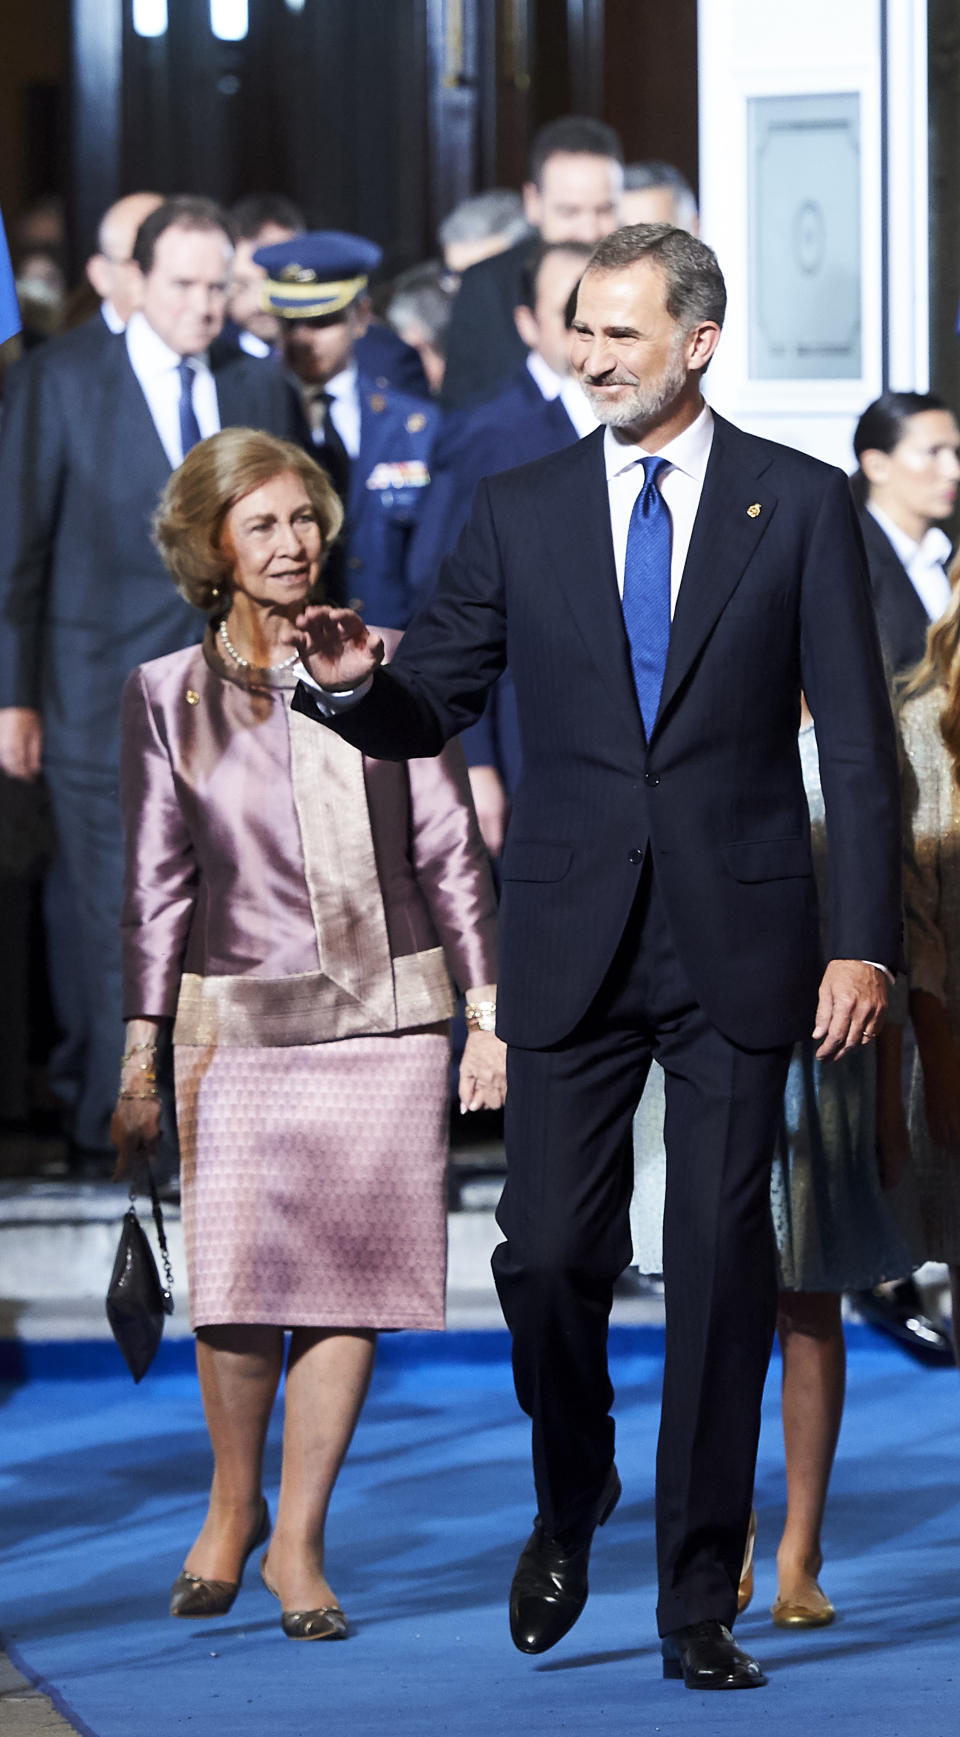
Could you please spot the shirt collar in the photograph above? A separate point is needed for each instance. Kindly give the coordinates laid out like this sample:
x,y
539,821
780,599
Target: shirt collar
x,y
149,352
932,550
545,377
344,384
111,318
688,451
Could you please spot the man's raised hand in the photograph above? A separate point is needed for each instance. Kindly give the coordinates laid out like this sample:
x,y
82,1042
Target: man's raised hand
x,y
336,646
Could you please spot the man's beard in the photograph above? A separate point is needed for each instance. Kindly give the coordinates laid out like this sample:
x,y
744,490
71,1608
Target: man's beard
x,y
642,405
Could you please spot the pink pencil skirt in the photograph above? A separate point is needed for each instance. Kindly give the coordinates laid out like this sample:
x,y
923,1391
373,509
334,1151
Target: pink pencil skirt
x,y
313,1181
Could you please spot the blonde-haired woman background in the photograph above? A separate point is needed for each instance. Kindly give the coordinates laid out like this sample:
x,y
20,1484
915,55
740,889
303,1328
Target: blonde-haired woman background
x,y
298,912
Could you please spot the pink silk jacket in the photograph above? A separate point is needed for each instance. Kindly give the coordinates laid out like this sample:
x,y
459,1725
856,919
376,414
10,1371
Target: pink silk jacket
x,y
281,888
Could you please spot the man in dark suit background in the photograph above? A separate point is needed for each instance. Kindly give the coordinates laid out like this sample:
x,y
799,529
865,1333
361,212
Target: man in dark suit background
x,y
90,435
664,588
572,193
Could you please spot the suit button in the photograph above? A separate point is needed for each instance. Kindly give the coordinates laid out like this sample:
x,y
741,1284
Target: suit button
x,y
651,780
635,856
355,561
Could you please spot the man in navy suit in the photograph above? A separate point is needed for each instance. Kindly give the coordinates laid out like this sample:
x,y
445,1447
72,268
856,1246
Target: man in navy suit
x,y
664,589
376,442
540,409
91,433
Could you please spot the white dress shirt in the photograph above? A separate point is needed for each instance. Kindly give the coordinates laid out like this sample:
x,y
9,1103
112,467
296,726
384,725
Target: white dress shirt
x,y
344,412
680,488
923,561
111,318
569,391
156,367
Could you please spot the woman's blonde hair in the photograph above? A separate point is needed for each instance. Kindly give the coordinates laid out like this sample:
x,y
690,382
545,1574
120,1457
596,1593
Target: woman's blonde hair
x,y
214,476
940,667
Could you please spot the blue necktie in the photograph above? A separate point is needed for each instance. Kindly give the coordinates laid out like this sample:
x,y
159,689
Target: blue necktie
x,y
189,426
646,590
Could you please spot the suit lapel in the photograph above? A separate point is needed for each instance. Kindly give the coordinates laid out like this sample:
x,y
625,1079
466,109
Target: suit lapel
x,y
726,533
575,524
233,396
133,432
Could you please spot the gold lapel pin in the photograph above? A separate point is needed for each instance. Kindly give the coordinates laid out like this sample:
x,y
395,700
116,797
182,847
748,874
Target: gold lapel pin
x,y
193,698
753,512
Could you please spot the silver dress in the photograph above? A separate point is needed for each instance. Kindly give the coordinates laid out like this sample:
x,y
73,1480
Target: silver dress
x,y
931,886
833,1226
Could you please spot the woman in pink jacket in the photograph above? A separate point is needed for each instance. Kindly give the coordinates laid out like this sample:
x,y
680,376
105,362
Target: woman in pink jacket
x,y
297,912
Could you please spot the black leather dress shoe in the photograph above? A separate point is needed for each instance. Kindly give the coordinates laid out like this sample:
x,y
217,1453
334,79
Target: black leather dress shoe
x,y
898,1310
706,1656
550,1585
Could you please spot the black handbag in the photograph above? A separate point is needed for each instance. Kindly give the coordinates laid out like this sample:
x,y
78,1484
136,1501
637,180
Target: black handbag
x,y
136,1300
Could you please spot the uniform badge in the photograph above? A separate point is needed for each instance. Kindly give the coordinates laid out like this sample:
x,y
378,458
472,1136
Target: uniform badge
x,y
377,403
415,422
753,512
193,698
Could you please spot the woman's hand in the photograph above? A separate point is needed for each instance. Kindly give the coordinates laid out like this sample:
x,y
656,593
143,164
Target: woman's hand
x,y
483,1072
135,1131
335,645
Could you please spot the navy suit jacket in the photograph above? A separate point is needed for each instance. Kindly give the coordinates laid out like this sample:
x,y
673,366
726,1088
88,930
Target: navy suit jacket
x,y
774,597
483,344
84,595
901,617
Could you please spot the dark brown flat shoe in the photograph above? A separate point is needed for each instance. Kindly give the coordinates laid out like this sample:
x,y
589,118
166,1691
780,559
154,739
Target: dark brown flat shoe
x,y
192,1596
329,1622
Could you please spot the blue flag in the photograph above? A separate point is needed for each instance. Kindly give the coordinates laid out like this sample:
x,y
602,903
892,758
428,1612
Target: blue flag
x,y
9,308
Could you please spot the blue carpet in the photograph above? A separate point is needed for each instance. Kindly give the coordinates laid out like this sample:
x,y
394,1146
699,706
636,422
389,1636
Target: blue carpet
x,y
103,1487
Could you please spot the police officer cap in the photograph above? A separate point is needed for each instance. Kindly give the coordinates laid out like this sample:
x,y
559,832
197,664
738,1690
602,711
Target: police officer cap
x,y
316,275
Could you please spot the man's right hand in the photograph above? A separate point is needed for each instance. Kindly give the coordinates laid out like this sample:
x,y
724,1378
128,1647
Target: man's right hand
x,y
21,741
336,646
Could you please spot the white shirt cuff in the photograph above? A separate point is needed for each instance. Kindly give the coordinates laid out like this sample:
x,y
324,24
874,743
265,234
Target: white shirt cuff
x,y
886,972
330,702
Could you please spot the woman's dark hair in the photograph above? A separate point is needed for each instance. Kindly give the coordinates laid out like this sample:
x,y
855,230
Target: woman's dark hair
x,y
882,427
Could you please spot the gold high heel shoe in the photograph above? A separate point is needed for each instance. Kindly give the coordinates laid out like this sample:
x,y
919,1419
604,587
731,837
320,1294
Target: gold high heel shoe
x,y
745,1589
327,1623
810,1608
193,1596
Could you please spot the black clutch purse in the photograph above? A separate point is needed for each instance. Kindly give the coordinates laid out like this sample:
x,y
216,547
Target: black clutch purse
x,y
136,1300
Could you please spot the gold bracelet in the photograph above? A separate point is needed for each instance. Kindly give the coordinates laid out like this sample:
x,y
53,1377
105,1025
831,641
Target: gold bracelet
x,y
138,1097
481,1015
138,1049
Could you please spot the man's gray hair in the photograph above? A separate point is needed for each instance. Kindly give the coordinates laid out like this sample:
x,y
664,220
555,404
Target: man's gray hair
x,y
695,287
498,212
637,177
423,295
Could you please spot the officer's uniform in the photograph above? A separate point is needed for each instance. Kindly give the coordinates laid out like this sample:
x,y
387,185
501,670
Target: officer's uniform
x,y
376,443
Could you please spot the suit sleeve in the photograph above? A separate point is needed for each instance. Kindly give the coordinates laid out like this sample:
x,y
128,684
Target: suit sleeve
x,y
452,868
437,684
843,678
32,463
160,882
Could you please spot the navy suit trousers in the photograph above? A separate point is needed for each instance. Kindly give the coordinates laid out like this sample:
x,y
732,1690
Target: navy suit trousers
x,y
565,1214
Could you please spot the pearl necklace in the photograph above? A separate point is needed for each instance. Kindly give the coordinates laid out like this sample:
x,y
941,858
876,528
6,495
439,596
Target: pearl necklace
x,y
244,662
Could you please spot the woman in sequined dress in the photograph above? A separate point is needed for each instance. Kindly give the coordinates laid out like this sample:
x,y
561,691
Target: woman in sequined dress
x,y
298,912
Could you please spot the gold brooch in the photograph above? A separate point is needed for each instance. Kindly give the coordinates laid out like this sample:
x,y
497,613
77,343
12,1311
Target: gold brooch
x,y
754,511
193,698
